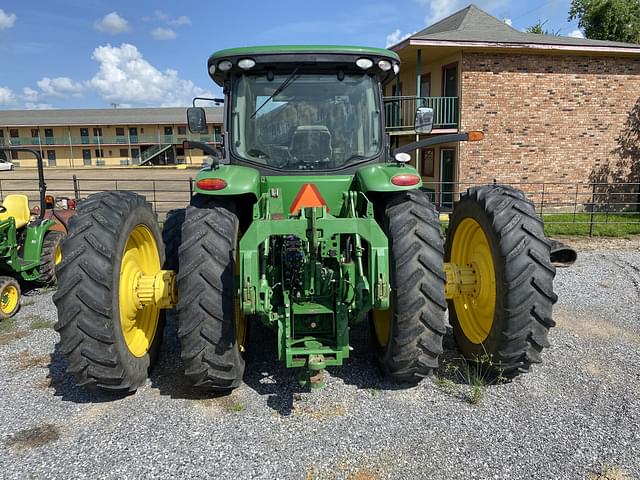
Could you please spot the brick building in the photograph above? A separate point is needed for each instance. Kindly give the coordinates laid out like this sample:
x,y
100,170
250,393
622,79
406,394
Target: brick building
x,y
553,109
105,137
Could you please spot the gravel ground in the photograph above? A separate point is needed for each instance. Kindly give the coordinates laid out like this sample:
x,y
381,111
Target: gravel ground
x,y
575,416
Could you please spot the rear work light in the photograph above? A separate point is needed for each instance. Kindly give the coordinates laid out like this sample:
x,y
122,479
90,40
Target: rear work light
x,y
405,180
211,184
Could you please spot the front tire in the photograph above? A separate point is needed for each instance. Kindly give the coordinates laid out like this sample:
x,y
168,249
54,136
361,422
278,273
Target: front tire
x,y
207,311
495,229
408,336
109,344
9,297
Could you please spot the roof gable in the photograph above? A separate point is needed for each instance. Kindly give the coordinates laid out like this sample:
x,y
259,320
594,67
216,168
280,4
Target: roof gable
x,y
471,25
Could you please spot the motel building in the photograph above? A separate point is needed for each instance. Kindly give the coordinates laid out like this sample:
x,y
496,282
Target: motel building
x,y
105,137
552,109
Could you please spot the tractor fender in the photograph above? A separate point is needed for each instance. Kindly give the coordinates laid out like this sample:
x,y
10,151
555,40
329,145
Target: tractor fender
x,y
34,238
239,181
377,177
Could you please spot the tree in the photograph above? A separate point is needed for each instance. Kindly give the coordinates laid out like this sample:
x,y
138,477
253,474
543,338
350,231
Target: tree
x,y
539,29
614,20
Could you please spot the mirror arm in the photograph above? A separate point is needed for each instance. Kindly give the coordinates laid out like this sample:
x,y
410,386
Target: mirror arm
x,y
205,147
428,142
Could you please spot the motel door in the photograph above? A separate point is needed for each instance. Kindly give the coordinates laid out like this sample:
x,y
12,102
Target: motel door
x,y
447,177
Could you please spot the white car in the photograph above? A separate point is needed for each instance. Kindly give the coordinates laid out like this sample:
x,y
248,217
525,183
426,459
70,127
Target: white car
x,y
5,165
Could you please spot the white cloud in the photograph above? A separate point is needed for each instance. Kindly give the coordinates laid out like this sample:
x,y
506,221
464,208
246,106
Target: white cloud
x,y
508,21
59,86
125,76
396,37
30,95
7,20
112,23
7,97
576,34
180,21
37,106
161,33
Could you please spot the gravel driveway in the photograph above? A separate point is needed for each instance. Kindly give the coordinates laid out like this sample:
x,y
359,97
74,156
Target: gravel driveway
x,y
575,416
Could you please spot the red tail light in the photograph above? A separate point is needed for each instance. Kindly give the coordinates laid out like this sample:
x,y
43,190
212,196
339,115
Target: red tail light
x,y
211,184
405,180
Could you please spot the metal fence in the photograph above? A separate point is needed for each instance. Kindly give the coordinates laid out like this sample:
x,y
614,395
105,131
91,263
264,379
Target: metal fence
x,y
581,208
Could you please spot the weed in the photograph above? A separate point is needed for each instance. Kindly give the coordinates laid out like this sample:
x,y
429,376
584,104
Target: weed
x,y
446,384
40,323
27,360
477,373
236,407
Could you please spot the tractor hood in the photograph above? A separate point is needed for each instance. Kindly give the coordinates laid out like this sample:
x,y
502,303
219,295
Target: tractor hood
x,y
377,61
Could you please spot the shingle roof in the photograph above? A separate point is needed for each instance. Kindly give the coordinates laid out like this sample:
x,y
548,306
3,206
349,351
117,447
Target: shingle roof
x,y
102,116
473,25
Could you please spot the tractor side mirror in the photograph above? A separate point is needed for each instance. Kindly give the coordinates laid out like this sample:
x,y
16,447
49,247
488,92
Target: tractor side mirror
x,y
197,120
424,120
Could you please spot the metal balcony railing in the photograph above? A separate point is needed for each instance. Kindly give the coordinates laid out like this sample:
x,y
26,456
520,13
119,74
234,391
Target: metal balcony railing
x,y
152,139
400,112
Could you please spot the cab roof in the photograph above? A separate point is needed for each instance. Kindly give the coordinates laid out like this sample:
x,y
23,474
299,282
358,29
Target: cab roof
x,y
282,57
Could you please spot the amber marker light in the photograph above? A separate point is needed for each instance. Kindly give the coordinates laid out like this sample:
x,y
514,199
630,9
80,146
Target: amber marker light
x,y
475,136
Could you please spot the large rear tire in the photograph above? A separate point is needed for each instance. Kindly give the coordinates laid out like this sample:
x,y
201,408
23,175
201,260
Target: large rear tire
x,y
495,229
408,336
207,308
172,237
109,345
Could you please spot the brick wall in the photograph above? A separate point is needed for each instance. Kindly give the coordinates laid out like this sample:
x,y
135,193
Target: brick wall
x,y
552,118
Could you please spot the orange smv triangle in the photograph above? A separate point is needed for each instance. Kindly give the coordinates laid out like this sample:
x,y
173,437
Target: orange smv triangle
x,y
308,196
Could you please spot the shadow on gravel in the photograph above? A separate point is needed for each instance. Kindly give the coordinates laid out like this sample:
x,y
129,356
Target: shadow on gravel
x,y
64,384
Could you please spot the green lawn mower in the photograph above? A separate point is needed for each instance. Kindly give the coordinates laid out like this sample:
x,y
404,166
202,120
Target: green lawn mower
x,y
308,223
29,244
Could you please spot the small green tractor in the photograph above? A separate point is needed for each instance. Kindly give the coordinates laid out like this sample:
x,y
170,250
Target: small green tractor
x,y
308,223
29,244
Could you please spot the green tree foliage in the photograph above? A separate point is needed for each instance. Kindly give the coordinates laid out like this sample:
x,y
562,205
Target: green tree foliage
x,y
540,30
614,20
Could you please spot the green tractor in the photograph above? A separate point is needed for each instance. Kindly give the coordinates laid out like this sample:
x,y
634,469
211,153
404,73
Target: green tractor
x,y
309,224
29,247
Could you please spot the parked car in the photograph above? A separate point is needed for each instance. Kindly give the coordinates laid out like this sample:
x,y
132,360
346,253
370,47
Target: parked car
x,y
6,165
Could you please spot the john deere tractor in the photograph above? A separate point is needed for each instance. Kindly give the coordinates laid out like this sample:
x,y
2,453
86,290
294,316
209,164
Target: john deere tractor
x,y
29,244
308,223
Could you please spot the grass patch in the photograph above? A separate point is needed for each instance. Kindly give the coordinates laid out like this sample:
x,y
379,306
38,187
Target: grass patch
x,y
612,225
7,325
27,360
236,407
40,323
477,374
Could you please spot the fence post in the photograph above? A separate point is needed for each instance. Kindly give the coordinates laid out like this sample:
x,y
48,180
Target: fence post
x,y
542,202
76,189
190,187
606,213
593,207
155,206
575,203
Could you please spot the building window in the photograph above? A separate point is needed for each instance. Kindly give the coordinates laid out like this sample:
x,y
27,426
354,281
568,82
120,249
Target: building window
x,y
124,152
13,133
141,130
97,132
1,137
51,158
99,153
14,155
35,133
425,85
179,151
120,132
86,157
182,130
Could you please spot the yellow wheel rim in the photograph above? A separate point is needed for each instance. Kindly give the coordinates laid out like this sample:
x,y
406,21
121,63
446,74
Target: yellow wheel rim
x,y
140,257
57,254
382,325
475,311
9,299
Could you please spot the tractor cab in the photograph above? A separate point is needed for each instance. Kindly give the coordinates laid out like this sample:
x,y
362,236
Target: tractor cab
x,y
291,110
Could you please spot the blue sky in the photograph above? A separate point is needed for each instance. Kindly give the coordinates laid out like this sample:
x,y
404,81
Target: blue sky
x,y
86,53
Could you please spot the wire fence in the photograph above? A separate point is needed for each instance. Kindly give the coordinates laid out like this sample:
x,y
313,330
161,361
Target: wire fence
x,y
573,208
